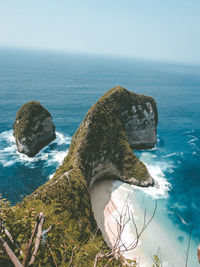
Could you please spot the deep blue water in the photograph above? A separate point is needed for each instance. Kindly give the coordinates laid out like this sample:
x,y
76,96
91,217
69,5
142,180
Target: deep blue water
x,y
68,85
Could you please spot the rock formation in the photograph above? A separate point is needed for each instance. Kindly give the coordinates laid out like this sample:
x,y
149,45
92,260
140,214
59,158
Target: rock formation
x,y
119,121
141,121
99,149
102,146
33,128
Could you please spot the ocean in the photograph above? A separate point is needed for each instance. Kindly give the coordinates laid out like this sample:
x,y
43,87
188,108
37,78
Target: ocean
x,y
68,85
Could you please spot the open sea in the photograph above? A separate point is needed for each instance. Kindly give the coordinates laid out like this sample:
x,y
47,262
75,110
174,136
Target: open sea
x,y
68,85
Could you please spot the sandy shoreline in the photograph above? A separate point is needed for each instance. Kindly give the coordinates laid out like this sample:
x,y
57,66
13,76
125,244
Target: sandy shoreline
x,y
106,209
109,195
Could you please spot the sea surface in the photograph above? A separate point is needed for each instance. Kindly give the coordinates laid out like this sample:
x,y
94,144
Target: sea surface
x,y
68,85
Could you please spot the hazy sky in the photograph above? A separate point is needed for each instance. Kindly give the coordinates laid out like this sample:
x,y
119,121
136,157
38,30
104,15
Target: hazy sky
x,y
152,29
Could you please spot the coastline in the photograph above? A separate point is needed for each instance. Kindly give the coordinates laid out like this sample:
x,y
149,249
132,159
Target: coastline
x,y
106,206
161,236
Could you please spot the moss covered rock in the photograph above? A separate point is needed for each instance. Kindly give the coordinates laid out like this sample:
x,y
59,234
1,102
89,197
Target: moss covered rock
x,y
100,148
33,128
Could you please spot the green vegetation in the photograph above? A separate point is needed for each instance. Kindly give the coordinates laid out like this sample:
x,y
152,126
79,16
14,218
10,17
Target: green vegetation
x,y
65,198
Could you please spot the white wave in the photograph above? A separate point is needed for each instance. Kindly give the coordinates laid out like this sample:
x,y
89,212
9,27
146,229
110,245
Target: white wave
x,y
156,170
24,158
51,176
153,149
57,156
61,139
8,163
7,136
169,155
190,131
195,146
10,156
194,138
10,149
161,186
179,207
173,154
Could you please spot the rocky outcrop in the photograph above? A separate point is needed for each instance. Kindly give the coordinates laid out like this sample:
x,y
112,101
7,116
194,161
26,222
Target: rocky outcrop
x,y
140,125
33,128
102,146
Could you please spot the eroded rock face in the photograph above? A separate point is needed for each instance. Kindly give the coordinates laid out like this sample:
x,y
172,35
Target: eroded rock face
x,y
102,146
33,128
141,125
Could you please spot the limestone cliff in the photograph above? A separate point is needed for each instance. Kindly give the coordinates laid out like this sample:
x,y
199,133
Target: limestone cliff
x,y
102,146
33,128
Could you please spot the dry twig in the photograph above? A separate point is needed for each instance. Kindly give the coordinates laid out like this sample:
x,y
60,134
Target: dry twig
x,y
38,238
125,216
28,258
10,253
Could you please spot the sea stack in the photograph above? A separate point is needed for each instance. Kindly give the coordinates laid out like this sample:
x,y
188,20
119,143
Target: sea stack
x,y
102,146
33,128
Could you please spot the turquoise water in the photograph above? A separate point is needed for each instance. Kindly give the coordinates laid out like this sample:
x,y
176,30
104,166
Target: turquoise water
x,y
68,85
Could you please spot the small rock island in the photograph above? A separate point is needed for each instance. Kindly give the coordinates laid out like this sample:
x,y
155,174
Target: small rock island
x,y
33,128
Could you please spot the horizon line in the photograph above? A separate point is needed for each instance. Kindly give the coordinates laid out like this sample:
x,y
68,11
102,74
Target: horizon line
x,y
98,54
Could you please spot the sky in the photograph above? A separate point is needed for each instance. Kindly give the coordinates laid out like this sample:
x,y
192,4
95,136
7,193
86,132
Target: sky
x,y
166,30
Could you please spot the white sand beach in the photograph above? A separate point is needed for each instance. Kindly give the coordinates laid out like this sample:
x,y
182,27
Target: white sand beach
x,y
108,198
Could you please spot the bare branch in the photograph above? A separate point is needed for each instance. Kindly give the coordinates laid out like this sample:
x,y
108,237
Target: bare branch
x,y
38,238
188,249
122,219
30,243
46,231
72,256
10,253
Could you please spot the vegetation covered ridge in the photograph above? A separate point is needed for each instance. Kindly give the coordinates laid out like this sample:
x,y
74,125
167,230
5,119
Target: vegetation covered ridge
x,y
99,148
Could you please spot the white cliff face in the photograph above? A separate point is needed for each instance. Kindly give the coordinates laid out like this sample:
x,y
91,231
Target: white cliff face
x,y
141,126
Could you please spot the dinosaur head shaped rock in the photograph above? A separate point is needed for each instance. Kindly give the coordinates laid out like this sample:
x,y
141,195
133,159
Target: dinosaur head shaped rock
x,y
117,123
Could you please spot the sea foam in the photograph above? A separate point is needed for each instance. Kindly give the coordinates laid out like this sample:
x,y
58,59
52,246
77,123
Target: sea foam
x,y
156,170
49,155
